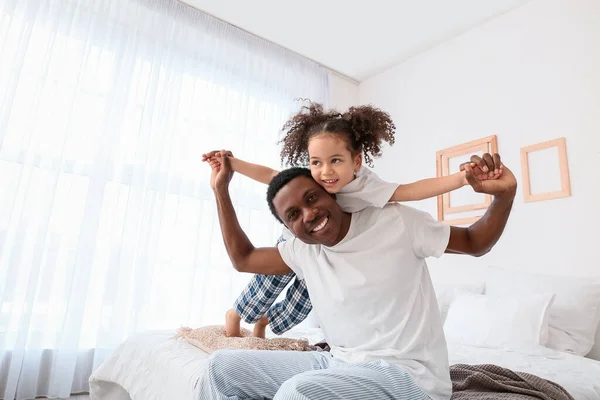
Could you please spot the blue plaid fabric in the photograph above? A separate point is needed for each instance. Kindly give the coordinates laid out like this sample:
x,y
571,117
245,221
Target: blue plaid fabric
x,y
292,310
257,298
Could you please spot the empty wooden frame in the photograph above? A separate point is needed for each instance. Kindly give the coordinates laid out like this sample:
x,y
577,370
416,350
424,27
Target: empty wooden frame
x,y
487,144
565,183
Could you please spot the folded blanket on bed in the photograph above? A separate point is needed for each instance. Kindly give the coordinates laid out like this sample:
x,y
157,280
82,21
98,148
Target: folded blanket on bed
x,y
483,382
212,338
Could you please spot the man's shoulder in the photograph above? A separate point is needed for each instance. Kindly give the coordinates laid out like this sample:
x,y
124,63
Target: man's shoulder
x,y
393,211
372,215
404,209
294,244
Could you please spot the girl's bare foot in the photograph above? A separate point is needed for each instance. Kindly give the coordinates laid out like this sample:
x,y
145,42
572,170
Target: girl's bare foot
x,y
260,326
232,324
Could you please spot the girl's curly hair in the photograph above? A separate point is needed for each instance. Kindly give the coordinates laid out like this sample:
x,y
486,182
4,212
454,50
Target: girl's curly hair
x,y
364,128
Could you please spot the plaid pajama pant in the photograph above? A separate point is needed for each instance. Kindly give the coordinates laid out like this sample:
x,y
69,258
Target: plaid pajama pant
x,y
257,299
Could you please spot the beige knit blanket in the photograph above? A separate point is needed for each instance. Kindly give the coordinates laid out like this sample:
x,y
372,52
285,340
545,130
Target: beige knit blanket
x,y
212,338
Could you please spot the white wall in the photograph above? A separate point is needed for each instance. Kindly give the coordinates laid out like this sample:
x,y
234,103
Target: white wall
x,y
343,92
528,76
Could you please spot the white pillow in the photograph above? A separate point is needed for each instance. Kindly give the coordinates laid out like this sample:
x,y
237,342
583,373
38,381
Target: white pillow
x,y
575,312
446,293
498,322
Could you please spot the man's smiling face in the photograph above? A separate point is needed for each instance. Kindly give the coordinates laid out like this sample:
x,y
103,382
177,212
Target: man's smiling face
x,y
311,213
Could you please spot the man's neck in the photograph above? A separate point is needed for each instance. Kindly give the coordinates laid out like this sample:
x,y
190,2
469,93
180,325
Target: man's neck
x,y
346,221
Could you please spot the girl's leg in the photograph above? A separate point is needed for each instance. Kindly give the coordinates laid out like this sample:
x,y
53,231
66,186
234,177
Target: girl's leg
x,y
260,327
232,324
292,310
256,299
252,374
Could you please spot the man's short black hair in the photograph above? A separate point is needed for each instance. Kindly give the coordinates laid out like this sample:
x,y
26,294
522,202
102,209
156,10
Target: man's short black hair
x,y
279,181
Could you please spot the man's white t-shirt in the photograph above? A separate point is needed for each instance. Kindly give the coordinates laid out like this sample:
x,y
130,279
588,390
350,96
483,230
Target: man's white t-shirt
x,y
373,294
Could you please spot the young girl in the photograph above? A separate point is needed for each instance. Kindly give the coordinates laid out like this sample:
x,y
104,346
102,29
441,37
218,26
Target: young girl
x,y
334,145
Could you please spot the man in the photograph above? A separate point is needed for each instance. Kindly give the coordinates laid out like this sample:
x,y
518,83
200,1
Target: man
x,y
369,284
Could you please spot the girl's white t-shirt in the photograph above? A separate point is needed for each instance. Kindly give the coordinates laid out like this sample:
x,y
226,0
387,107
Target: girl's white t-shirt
x,y
366,190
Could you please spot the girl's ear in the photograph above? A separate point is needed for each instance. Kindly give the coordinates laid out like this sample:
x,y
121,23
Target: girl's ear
x,y
357,162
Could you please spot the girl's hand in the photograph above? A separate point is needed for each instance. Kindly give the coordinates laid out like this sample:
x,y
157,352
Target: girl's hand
x,y
480,169
214,158
214,163
216,153
490,176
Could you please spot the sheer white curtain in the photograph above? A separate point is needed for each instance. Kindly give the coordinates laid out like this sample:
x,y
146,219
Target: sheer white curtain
x,y
107,221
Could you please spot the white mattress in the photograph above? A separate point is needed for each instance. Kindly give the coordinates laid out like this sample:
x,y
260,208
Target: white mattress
x,y
153,366
149,366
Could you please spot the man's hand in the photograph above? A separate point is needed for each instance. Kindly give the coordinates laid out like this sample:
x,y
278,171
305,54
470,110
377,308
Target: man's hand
x,y
488,175
244,256
221,169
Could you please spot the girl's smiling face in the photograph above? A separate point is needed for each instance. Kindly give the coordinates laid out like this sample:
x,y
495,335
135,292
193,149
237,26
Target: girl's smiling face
x,y
332,164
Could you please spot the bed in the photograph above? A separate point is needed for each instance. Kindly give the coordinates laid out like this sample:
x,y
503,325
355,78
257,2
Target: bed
x,y
479,323
153,366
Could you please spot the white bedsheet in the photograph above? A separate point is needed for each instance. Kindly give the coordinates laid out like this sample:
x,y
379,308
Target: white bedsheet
x,y
152,366
578,375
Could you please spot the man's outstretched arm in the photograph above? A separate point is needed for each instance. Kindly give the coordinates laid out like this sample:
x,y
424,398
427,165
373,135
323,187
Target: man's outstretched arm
x,y
244,256
479,238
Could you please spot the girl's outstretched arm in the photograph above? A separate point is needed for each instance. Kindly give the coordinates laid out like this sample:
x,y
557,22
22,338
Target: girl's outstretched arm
x,y
257,172
427,188
432,187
